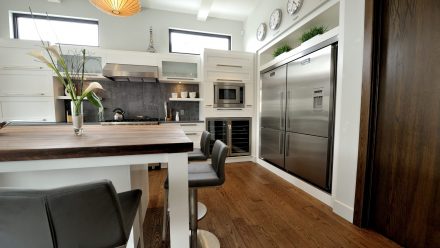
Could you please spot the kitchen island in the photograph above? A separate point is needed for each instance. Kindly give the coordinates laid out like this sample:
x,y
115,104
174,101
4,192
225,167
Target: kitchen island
x,y
52,156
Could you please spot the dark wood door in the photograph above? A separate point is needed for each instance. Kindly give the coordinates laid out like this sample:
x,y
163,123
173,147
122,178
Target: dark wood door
x,y
405,152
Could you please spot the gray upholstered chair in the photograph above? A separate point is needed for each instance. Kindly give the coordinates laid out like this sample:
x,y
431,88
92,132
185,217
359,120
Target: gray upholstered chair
x,y
85,215
202,153
202,175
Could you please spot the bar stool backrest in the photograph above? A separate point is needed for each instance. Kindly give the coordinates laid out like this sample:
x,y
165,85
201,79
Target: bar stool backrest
x,y
205,142
218,158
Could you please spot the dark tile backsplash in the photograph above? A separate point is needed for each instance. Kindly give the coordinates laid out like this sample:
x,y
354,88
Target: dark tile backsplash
x,y
143,99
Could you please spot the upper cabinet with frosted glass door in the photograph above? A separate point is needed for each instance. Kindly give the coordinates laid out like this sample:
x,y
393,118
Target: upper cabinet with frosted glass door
x,y
183,68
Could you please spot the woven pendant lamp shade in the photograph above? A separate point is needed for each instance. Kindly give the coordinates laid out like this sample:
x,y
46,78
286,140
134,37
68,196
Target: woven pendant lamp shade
x,y
118,7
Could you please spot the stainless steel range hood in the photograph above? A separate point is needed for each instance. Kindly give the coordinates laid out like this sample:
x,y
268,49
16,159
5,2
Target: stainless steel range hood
x,y
130,73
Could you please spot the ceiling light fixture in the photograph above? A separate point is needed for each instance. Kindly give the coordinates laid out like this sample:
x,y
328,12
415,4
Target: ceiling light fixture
x,y
118,7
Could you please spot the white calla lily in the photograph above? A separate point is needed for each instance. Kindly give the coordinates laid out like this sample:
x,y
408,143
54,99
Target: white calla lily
x,y
92,86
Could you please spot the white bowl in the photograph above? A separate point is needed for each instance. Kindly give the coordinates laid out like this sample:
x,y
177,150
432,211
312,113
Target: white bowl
x,y
184,94
192,95
173,95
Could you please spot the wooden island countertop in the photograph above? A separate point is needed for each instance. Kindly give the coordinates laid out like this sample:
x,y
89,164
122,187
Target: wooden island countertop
x,y
21,143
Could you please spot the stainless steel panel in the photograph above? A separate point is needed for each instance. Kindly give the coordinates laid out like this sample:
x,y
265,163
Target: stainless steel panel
x,y
308,93
272,146
306,157
273,98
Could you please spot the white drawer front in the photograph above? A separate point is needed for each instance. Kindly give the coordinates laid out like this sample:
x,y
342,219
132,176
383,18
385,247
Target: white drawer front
x,y
29,110
26,84
222,63
194,137
193,127
230,77
18,58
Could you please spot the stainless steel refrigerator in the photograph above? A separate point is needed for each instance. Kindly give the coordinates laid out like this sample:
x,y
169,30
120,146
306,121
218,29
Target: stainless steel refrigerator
x,y
297,112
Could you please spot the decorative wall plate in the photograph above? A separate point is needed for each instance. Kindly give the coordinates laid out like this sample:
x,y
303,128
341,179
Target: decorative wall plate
x,y
293,6
261,31
275,19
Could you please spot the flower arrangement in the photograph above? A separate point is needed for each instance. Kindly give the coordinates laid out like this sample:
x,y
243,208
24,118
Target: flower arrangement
x,y
72,79
75,90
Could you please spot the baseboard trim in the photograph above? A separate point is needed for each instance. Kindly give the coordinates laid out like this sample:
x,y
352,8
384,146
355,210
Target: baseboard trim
x,y
322,196
343,210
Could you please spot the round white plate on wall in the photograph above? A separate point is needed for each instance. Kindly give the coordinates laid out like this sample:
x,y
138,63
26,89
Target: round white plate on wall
x,y
275,19
293,6
261,31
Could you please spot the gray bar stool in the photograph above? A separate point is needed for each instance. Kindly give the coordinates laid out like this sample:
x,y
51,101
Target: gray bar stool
x,y
85,215
201,154
199,176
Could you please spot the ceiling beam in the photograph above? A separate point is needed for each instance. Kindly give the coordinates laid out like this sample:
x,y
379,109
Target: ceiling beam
x,y
204,9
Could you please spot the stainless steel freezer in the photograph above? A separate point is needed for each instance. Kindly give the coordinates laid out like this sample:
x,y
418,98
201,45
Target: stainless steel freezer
x,y
273,96
273,115
297,112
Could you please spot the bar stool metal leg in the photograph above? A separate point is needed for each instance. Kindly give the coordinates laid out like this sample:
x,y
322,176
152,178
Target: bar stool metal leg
x,y
165,216
193,216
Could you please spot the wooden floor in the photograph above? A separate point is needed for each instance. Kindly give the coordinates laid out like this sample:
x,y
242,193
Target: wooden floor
x,y
255,208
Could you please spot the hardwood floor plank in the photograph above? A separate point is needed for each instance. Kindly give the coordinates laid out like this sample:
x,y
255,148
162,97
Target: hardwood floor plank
x,y
255,208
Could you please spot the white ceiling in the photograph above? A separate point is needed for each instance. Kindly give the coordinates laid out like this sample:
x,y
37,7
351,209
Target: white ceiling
x,y
226,9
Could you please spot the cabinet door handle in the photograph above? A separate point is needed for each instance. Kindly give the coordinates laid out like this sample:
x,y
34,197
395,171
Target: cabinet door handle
x,y
180,78
188,125
229,80
210,105
229,109
233,66
24,94
22,68
191,134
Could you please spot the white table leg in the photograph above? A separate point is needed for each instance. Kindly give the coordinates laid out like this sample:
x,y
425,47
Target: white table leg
x,y
178,200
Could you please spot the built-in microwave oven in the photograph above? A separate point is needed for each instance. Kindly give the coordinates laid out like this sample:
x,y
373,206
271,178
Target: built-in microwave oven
x,y
228,95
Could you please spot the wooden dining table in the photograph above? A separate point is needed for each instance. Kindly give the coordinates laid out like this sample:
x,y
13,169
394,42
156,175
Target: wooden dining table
x,y
47,156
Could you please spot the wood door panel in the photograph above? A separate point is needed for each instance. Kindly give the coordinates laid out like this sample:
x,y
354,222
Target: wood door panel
x,y
406,164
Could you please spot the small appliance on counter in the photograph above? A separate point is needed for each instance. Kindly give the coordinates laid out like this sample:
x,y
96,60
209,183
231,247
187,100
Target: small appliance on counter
x,y
119,114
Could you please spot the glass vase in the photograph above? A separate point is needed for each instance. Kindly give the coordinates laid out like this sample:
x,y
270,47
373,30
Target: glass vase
x,y
77,117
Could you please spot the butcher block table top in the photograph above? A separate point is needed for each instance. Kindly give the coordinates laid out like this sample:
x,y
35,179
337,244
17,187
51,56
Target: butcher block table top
x,y
19,143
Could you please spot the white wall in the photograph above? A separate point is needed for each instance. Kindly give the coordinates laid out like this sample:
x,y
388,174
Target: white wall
x,y
348,103
348,92
125,33
262,14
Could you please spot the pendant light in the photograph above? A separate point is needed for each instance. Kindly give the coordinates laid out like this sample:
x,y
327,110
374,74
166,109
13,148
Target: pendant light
x,y
118,7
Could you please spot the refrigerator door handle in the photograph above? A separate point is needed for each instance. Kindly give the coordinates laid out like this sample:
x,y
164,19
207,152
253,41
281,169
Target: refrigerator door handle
x,y
281,146
287,145
287,109
282,110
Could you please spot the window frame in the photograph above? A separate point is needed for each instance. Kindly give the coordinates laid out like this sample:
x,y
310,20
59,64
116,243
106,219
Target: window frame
x,y
16,15
173,30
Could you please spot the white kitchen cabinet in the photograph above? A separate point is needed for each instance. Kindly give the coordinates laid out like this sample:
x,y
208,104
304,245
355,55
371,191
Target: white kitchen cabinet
x,y
38,109
26,83
228,67
179,68
228,61
15,55
192,130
